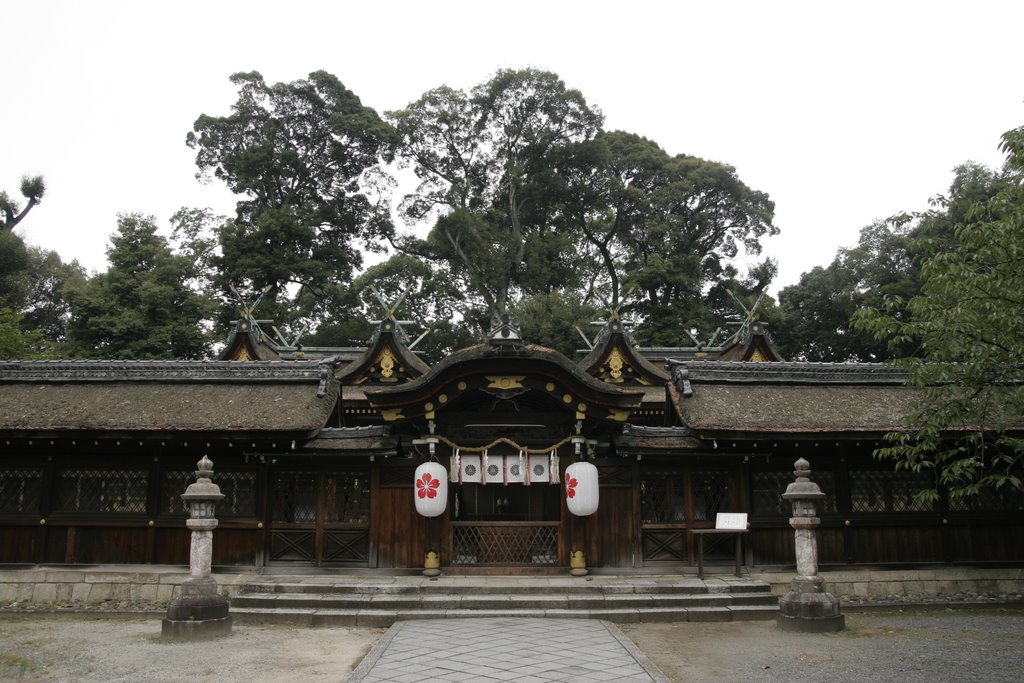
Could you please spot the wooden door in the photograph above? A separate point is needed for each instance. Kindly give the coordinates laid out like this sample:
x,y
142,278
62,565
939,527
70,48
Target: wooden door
x,y
674,500
320,517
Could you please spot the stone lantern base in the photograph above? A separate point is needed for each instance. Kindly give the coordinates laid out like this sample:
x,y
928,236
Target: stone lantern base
x,y
200,611
809,608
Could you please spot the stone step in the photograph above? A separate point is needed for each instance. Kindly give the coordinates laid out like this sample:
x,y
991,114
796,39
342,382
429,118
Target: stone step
x,y
496,600
378,618
375,602
463,586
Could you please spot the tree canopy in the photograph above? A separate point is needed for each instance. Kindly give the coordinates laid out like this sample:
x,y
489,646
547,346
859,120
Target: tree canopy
x,y
885,265
302,156
966,323
11,212
142,307
523,204
528,199
482,158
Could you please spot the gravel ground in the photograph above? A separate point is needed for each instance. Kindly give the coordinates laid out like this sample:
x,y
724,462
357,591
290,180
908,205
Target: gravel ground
x,y
907,646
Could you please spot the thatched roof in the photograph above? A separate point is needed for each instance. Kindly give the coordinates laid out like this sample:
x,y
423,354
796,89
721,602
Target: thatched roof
x,y
155,396
731,397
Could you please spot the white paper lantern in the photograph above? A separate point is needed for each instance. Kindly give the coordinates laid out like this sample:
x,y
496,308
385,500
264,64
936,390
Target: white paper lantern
x,y
581,489
431,490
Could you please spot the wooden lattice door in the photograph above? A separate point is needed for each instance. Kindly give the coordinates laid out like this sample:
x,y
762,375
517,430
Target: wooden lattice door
x,y
674,500
320,517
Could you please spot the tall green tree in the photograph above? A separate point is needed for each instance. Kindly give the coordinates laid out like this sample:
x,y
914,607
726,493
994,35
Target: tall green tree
x,y
46,307
142,307
11,211
818,309
664,228
17,343
885,264
484,162
304,157
966,322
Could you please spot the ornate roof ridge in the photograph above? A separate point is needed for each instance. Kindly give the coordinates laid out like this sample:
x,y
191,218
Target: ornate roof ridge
x,y
526,351
794,372
163,370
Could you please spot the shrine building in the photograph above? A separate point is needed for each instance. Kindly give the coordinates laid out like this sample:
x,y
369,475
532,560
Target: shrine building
x,y
317,452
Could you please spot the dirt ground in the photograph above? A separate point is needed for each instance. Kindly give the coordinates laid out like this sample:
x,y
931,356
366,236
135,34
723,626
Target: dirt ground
x,y
909,647
97,648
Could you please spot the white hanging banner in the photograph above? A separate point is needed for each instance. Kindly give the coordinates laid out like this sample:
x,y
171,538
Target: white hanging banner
x,y
494,469
468,468
473,468
538,469
515,469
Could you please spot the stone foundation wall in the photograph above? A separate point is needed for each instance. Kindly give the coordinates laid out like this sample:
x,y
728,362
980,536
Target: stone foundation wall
x,y
111,586
908,583
125,586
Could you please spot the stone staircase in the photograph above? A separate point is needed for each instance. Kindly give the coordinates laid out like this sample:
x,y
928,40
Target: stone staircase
x,y
381,601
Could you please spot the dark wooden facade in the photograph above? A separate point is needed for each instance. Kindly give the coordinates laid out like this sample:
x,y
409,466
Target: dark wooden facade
x,y
316,459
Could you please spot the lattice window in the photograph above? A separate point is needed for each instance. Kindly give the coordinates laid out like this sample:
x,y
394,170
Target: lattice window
x,y
21,489
505,545
888,491
239,489
347,497
295,497
662,496
172,486
1003,500
767,489
711,493
101,491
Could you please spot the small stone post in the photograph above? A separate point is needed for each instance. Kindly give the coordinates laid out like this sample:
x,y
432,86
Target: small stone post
x,y
807,607
199,610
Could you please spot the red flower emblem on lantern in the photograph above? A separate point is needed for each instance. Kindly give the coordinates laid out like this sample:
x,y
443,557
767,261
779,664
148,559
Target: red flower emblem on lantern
x,y
427,486
570,486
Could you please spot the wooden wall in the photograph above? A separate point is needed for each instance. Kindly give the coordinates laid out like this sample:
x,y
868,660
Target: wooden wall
x,y
869,518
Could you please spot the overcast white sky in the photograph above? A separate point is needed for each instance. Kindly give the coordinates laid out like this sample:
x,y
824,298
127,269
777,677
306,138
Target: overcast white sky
x,y
842,112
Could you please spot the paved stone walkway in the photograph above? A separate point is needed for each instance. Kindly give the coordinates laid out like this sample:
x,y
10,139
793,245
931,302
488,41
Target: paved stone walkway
x,y
520,650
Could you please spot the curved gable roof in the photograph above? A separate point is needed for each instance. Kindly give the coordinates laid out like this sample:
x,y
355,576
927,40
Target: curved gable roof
x,y
504,372
387,360
616,361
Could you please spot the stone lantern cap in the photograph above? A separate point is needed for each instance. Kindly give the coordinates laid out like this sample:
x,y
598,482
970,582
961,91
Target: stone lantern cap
x,y
803,488
203,488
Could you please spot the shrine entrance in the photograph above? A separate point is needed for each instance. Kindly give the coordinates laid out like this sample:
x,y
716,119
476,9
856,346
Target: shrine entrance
x,y
499,524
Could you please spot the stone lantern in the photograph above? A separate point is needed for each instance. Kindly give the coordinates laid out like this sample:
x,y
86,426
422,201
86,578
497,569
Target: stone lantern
x,y
807,607
199,610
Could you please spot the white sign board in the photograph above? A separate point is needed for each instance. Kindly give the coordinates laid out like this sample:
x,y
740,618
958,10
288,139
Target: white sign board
x,y
731,520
